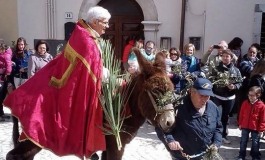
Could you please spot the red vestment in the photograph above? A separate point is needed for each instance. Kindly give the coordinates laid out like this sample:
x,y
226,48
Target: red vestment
x,y
59,107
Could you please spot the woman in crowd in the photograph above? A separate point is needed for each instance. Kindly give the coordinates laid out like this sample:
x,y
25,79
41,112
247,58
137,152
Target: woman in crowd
x,y
225,93
189,63
20,58
175,56
235,46
40,58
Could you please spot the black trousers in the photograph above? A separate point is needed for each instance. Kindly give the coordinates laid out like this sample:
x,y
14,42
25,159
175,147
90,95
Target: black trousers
x,y
3,92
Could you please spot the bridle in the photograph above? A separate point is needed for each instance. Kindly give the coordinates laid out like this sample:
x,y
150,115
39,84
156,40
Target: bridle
x,y
160,109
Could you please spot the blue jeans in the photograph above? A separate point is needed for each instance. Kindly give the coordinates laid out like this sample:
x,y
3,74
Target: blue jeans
x,y
254,152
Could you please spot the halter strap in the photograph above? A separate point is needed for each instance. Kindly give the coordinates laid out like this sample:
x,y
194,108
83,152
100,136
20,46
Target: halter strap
x,y
167,107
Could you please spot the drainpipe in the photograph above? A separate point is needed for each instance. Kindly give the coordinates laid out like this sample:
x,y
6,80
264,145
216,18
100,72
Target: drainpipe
x,y
53,19
48,18
182,25
204,24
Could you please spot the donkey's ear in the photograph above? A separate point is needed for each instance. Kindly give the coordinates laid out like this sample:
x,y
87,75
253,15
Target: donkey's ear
x,y
145,66
160,61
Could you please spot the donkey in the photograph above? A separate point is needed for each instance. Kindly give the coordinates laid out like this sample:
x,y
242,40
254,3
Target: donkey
x,y
145,89
148,84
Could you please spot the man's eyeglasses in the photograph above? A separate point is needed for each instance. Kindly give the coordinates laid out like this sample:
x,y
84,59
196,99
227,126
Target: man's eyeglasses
x,y
252,52
149,48
105,23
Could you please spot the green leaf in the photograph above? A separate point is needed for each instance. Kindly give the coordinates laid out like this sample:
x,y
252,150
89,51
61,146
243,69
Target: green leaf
x,y
113,98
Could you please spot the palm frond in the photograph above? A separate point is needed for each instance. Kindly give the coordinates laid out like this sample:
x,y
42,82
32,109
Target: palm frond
x,y
113,97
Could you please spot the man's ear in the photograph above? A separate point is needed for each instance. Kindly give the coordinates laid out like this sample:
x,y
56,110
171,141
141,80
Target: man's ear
x,y
96,22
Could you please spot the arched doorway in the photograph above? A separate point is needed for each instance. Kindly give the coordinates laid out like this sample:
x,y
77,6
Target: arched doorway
x,y
126,18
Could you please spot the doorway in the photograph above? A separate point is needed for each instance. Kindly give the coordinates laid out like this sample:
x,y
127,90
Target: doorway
x,y
126,18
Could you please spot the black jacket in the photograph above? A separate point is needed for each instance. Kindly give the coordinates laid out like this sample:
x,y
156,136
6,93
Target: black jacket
x,y
234,72
195,132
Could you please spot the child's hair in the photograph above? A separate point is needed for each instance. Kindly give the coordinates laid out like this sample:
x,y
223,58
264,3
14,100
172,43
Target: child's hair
x,y
3,46
256,89
166,53
138,44
188,46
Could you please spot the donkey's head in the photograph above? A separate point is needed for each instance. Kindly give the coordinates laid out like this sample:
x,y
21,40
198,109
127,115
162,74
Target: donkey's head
x,y
155,91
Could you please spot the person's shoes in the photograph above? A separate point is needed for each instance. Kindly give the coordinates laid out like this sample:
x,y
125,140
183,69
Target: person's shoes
x,y
5,116
95,156
149,122
240,158
2,119
226,141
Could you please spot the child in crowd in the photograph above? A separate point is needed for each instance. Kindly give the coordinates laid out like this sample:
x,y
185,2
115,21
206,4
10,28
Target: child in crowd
x,y
5,71
133,66
168,61
251,121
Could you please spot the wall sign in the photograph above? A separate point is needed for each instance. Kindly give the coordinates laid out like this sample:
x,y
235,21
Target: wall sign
x,y
68,15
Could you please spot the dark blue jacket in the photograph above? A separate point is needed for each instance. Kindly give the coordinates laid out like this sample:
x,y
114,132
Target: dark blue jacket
x,y
195,132
234,72
246,66
21,62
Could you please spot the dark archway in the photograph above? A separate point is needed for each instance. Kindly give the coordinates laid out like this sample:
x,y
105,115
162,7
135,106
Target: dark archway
x,y
126,20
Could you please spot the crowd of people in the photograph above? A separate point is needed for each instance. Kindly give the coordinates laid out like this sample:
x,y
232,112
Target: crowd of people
x,y
231,76
227,81
17,64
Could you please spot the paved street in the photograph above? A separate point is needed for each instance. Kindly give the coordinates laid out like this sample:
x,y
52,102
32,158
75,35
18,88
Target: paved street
x,y
145,146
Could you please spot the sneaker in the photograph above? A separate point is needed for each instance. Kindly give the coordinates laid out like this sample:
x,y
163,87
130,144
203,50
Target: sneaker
x,y
226,141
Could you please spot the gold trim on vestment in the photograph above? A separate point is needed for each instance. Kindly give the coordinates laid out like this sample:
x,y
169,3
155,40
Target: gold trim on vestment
x,y
71,55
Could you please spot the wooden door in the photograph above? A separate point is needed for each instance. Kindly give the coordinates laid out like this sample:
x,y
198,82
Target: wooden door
x,y
126,18
121,27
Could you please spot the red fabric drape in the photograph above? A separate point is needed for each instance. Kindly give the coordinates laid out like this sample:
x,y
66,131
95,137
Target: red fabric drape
x,y
64,115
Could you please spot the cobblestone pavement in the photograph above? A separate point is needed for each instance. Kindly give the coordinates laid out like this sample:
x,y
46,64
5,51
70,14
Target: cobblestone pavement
x,y
145,146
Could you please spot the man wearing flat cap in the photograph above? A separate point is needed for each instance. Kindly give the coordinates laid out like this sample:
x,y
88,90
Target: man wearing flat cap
x,y
198,124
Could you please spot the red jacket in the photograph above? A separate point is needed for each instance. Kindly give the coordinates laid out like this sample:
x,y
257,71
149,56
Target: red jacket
x,y
126,51
252,116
